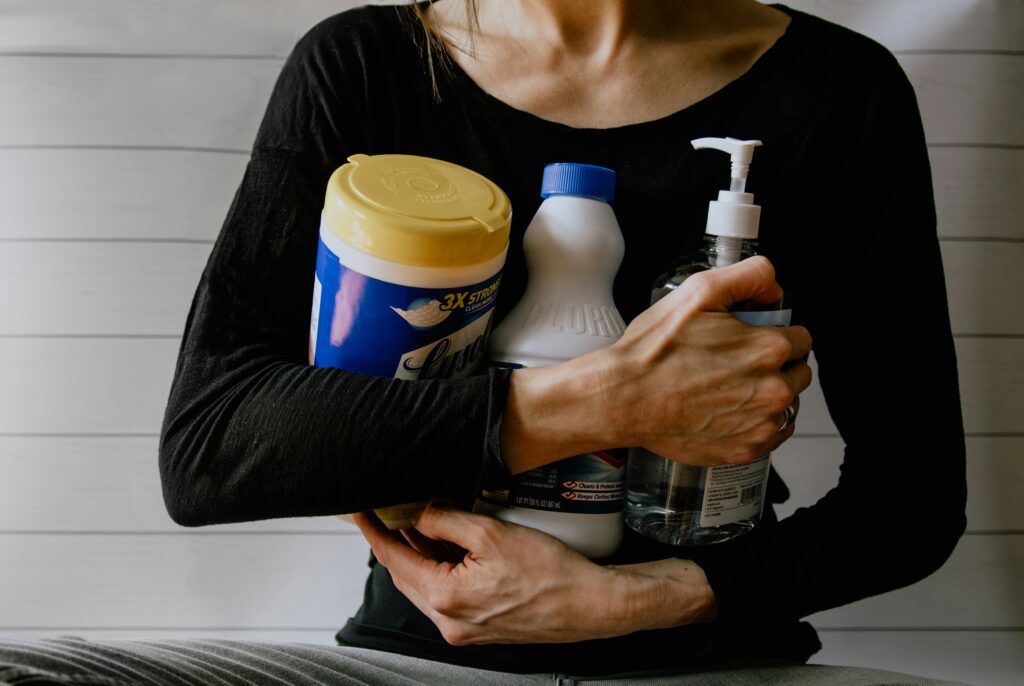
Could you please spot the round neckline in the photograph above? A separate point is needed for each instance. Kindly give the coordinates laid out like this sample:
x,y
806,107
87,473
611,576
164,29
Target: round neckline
x,y
763,62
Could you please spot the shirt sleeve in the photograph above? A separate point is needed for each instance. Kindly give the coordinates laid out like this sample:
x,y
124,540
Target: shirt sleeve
x,y
251,431
887,365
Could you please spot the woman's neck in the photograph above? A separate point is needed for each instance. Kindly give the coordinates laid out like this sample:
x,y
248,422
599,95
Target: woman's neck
x,y
582,28
592,29
604,63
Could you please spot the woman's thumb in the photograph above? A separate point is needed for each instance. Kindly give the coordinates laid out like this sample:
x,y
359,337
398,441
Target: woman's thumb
x,y
750,279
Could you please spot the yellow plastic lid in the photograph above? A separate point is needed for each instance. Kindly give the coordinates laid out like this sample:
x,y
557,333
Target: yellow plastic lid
x,y
417,211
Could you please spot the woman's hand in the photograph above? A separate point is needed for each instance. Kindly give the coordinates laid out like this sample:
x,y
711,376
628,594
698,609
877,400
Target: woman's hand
x,y
514,584
687,381
703,387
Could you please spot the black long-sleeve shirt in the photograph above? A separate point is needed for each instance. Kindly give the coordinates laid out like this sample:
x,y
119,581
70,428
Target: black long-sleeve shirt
x,y
253,432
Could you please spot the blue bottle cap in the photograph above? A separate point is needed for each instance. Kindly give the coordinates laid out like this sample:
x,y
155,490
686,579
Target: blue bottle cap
x,y
583,180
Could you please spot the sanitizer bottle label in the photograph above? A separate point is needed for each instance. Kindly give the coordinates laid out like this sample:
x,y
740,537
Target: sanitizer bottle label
x,y
735,492
385,329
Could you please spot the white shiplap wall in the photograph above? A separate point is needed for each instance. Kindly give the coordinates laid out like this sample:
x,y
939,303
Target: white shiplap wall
x,y
141,114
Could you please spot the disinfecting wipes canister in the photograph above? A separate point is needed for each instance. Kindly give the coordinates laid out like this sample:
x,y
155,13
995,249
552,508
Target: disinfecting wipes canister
x,y
407,272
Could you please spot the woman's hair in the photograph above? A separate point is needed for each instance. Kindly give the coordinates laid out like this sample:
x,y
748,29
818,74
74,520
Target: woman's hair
x,y
432,42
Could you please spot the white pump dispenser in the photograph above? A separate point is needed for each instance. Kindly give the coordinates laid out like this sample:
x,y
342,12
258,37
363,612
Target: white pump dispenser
x,y
734,213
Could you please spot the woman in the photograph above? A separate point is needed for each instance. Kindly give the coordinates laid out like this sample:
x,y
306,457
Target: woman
x,y
251,432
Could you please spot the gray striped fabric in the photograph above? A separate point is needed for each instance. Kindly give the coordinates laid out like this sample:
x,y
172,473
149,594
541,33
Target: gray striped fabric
x,y
237,663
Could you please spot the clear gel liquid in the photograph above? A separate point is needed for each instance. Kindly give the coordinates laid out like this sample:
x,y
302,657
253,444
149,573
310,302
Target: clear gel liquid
x,y
666,501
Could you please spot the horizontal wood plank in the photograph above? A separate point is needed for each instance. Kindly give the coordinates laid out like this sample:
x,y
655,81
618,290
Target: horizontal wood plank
x,y
161,27
121,289
102,484
936,25
984,285
969,99
127,289
116,194
975,194
262,580
992,384
116,101
810,468
218,103
86,386
984,658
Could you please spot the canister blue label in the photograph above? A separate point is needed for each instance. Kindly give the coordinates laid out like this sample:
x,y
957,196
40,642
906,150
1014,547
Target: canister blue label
x,y
385,329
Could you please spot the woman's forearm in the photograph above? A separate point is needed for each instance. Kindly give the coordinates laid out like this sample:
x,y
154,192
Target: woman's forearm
x,y
659,595
495,594
251,431
555,412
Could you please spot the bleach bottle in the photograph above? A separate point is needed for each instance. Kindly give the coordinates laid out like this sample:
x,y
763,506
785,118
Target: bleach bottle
x,y
407,273
573,249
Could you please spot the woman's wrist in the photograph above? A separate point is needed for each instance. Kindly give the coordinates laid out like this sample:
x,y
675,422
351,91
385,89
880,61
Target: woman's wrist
x,y
558,411
660,595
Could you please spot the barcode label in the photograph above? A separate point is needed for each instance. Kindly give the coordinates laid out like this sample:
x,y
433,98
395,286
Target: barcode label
x,y
734,492
750,494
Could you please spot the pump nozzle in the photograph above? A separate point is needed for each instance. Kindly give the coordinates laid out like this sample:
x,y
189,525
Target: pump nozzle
x,y
734,213
741,153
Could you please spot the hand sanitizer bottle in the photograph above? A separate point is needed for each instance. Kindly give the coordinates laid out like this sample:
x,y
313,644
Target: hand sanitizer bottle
x,y
573,250
672,502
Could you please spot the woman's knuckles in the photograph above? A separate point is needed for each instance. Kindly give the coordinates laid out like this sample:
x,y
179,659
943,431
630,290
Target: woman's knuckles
x,y
489,534
701,292
770,348
775,394
440,598
763,434
745,455
455,632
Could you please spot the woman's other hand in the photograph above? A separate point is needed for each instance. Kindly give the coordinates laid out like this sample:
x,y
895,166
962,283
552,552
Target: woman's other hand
x,y
687,381
703,387
514,584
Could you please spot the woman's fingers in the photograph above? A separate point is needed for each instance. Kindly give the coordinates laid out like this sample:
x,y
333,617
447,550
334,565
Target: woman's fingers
x,y
719,289
798,376
785,426
441,551
397,557
470,531
799,339
796,410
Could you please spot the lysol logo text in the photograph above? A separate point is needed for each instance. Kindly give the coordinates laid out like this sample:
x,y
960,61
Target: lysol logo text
x,y
454,355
